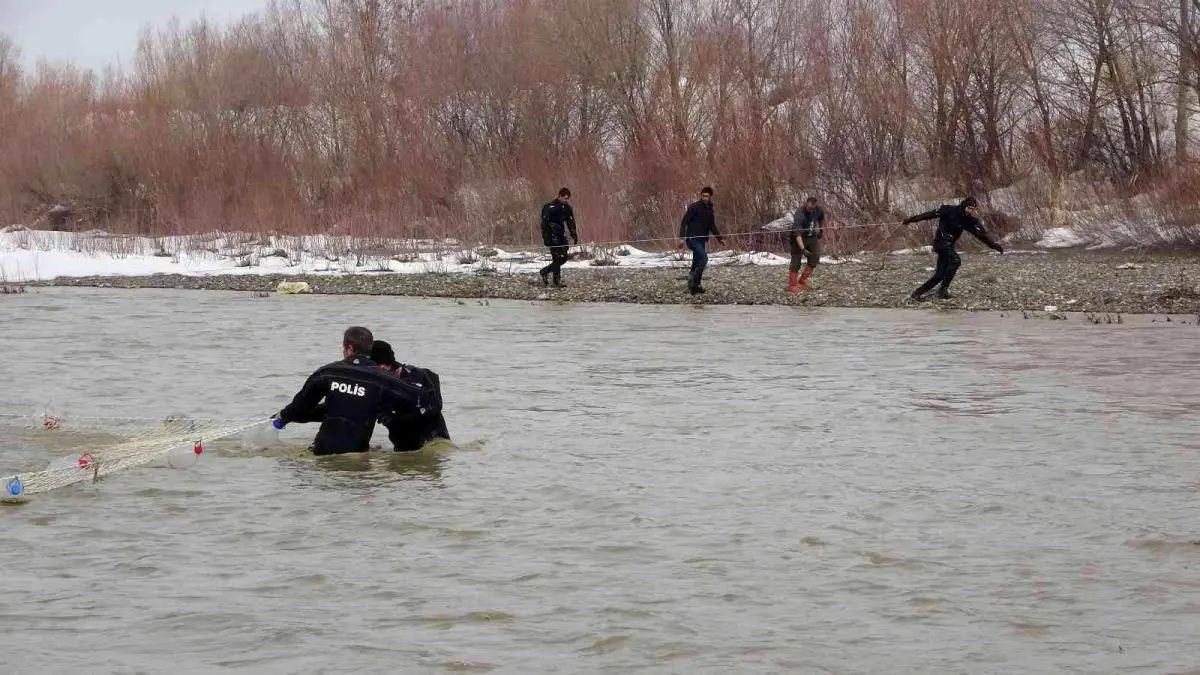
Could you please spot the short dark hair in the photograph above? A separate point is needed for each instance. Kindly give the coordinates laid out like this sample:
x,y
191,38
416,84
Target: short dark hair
x,y
706,190
811,200
565,192
383,354
359,338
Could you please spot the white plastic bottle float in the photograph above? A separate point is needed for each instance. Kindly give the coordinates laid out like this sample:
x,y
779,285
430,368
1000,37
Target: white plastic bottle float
x,y
14,492
178,457
73,463
262,435
181,456
50,416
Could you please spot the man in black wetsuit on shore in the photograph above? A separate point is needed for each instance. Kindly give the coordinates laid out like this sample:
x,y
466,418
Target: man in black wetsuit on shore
x,y
356,393
411,431
952,220
557,219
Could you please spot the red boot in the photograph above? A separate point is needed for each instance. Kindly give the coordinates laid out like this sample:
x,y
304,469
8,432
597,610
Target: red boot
x,y
792,287
808,269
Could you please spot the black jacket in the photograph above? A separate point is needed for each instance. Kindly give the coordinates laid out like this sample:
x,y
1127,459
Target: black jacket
x,y
409,431
698,221
805,224
356,394
952,220
557,218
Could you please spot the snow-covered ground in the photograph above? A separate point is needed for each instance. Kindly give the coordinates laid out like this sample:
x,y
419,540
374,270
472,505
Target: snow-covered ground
x,y
1061,237
32,255
36,255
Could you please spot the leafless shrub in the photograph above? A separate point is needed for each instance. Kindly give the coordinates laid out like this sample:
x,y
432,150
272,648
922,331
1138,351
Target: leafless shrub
x,y
390,120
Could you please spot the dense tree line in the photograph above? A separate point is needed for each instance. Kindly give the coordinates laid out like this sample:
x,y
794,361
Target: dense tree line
x,y
434,117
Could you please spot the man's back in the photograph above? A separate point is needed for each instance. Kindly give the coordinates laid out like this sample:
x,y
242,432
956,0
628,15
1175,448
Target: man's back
x,y
411,431
953,219
356,393
556,218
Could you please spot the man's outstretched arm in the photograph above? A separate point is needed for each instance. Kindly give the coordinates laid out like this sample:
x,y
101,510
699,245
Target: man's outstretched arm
x,y
928,215
304,404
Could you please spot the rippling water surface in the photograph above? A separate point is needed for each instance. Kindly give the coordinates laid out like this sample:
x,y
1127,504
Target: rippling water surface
x,y
636,489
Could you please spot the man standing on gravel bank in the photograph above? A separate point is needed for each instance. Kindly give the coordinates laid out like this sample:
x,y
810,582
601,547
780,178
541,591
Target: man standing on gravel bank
x,y
557,218
806,233
952,220
698,222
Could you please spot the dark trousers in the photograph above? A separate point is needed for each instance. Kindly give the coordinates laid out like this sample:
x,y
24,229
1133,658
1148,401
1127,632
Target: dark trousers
x,y
947,265
339,436
558,256
407,437
811,252
699,248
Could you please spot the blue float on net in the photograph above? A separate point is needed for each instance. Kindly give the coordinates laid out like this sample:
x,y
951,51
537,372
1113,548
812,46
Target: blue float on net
x,y
14,488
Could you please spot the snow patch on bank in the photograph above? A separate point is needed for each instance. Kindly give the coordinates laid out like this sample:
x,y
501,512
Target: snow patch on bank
x,y
1061,237
34,255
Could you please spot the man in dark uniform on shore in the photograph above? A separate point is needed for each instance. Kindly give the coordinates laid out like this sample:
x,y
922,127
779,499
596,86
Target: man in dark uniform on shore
x,y
698,222
557,219
952,221
349,396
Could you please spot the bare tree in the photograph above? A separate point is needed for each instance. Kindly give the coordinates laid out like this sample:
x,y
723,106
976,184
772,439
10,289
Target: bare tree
x,y
403,116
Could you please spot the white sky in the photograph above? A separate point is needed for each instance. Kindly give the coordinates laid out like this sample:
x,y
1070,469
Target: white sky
x,y
96,33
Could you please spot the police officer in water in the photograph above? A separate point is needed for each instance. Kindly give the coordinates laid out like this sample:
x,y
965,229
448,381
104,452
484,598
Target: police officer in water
x,y
413,430
356,393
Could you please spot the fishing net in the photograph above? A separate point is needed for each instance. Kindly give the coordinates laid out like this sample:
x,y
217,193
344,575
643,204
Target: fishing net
x,y
94,447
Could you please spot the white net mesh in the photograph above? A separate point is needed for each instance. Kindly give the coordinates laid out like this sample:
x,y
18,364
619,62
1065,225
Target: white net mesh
x,y
129,443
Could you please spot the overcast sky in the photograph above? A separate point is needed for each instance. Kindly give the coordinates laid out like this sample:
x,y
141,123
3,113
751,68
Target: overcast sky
x,y
94,33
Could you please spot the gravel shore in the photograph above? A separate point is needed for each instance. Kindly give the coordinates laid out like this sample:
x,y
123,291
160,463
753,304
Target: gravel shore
x,y
1071,281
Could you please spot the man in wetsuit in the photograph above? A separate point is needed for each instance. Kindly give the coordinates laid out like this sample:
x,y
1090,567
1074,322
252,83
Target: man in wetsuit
x,y
356,393
407,431
557,219
807,232
411,431
698,222
952,220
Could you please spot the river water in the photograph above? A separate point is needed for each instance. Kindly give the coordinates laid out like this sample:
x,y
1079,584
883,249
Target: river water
x,y
636,489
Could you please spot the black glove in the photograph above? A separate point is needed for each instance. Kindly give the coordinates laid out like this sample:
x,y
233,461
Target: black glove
x,y
998,247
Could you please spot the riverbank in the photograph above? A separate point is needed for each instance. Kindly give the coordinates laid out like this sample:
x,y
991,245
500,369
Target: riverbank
x,y
1066,281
